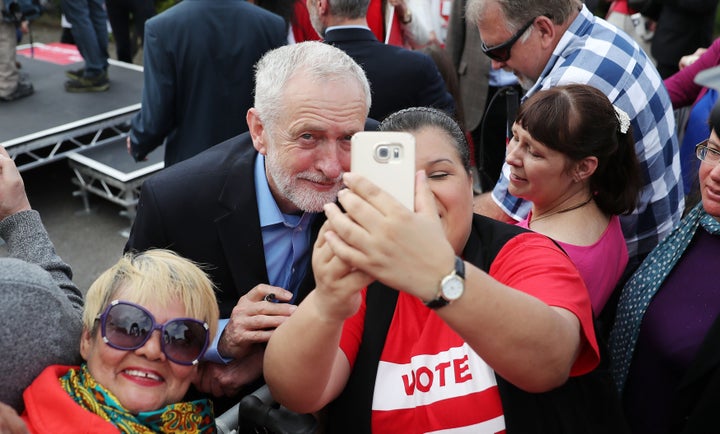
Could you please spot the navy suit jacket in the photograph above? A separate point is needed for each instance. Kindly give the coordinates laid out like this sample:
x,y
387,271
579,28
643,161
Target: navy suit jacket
x,y
399,78
205,209
198,60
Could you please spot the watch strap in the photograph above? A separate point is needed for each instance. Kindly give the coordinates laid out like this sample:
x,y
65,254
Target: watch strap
x,y
441,301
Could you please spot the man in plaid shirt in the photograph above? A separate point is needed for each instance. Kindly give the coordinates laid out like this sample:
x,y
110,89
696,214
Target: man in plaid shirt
x,y
552,42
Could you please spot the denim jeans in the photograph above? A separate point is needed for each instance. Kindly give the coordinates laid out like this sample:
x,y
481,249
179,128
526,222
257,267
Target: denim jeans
x,y
89,29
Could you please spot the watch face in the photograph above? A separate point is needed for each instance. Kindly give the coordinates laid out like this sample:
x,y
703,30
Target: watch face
x,y
453,287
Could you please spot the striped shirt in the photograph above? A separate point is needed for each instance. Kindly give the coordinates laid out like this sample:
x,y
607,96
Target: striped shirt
x,y
595,52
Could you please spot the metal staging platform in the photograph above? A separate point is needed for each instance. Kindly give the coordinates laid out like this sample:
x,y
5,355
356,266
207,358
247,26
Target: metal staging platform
x,y
52,123
107,170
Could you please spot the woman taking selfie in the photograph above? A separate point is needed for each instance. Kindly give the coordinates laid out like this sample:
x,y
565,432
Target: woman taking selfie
x,y
438,319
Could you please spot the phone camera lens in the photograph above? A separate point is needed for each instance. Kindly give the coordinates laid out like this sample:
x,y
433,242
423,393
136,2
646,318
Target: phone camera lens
x,y
383,152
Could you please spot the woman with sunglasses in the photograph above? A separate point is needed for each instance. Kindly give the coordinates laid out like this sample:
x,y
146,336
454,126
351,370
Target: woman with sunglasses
x,y
665,344
133,379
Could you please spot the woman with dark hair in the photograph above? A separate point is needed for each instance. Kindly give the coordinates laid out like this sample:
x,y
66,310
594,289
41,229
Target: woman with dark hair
x,y
572,155
665,345
438,319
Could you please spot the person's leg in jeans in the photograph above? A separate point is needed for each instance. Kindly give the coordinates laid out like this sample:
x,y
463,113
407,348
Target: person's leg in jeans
x,y
82,15
99,19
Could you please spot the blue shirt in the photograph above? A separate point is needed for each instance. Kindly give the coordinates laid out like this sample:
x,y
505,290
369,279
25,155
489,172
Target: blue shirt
x,y
286,237
286,241
594,52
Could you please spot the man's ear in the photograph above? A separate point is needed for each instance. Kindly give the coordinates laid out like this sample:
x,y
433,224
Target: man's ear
x,y
257,130
321,6
548,31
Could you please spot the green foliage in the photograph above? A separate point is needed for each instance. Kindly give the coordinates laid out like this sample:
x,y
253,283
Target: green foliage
x,y
161,5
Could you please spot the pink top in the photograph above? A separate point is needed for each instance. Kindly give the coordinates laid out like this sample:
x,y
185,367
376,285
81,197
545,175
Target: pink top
x,y
601,265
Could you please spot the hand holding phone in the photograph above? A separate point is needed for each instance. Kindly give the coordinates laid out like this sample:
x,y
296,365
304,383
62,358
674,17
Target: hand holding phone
x,y
387,158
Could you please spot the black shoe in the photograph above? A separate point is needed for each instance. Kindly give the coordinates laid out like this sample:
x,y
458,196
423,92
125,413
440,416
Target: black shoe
x,y
99,83
22,90
75,73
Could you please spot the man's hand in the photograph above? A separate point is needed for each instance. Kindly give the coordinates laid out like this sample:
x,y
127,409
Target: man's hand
x,y
12,189
254,319
688,60
10,422
228,380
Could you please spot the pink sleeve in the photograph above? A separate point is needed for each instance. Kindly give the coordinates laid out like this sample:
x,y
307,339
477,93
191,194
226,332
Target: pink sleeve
x,y
682,87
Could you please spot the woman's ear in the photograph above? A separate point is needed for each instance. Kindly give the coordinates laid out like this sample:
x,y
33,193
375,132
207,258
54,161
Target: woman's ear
x,y
86,343
585,168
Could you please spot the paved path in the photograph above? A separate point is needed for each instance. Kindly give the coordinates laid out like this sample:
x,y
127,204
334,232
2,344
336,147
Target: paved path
x,y
90,243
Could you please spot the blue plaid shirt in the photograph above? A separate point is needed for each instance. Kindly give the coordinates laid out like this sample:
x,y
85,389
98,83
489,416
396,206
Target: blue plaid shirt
x,y
595,52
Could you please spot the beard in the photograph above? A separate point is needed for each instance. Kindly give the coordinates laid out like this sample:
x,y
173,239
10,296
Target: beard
x,y
525,82
289,185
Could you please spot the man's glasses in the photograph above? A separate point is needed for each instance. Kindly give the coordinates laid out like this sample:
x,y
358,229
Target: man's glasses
x,y
501,52
127,326
707,155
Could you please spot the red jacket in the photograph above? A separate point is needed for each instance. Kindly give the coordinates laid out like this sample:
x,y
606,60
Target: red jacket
x,y
49,409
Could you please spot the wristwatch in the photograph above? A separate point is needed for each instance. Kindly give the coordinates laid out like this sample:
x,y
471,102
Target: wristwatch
x,y
452,286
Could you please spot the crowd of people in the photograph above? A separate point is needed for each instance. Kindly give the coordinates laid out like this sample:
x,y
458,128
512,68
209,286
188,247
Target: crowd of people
x,y
573,297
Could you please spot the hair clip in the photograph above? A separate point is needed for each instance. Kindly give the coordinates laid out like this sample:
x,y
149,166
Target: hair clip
x,y
623,118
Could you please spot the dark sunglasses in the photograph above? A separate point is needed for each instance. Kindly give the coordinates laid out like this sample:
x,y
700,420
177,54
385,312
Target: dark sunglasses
x,y
127,326
501,52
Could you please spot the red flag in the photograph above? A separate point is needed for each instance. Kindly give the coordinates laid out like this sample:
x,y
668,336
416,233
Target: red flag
x,y
375,19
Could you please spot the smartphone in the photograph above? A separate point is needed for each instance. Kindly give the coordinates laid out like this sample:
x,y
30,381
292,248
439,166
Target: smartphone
x,y
387,158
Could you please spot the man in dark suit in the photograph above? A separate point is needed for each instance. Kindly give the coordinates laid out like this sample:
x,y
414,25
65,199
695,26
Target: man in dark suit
x,y
488,95
399,78
198,60
250,207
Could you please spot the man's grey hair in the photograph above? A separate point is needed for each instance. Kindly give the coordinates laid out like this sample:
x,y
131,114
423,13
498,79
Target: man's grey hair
x,y
351,9
322,62
519,12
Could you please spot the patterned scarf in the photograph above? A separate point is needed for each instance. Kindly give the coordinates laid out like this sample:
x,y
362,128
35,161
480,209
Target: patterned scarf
x,y
195,416
644,283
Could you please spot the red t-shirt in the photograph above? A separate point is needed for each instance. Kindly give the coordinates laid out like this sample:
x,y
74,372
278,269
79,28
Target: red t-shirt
x,y
429,379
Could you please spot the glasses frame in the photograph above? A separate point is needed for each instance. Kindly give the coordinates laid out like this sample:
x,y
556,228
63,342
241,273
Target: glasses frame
x,y
155,326
702,150
491,52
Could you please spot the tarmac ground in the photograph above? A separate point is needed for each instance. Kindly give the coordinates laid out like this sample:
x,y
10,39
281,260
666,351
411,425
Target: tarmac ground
x,y
89,242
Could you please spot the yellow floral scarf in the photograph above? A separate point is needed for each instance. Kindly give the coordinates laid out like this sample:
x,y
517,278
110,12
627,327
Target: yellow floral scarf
x,y
196,416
